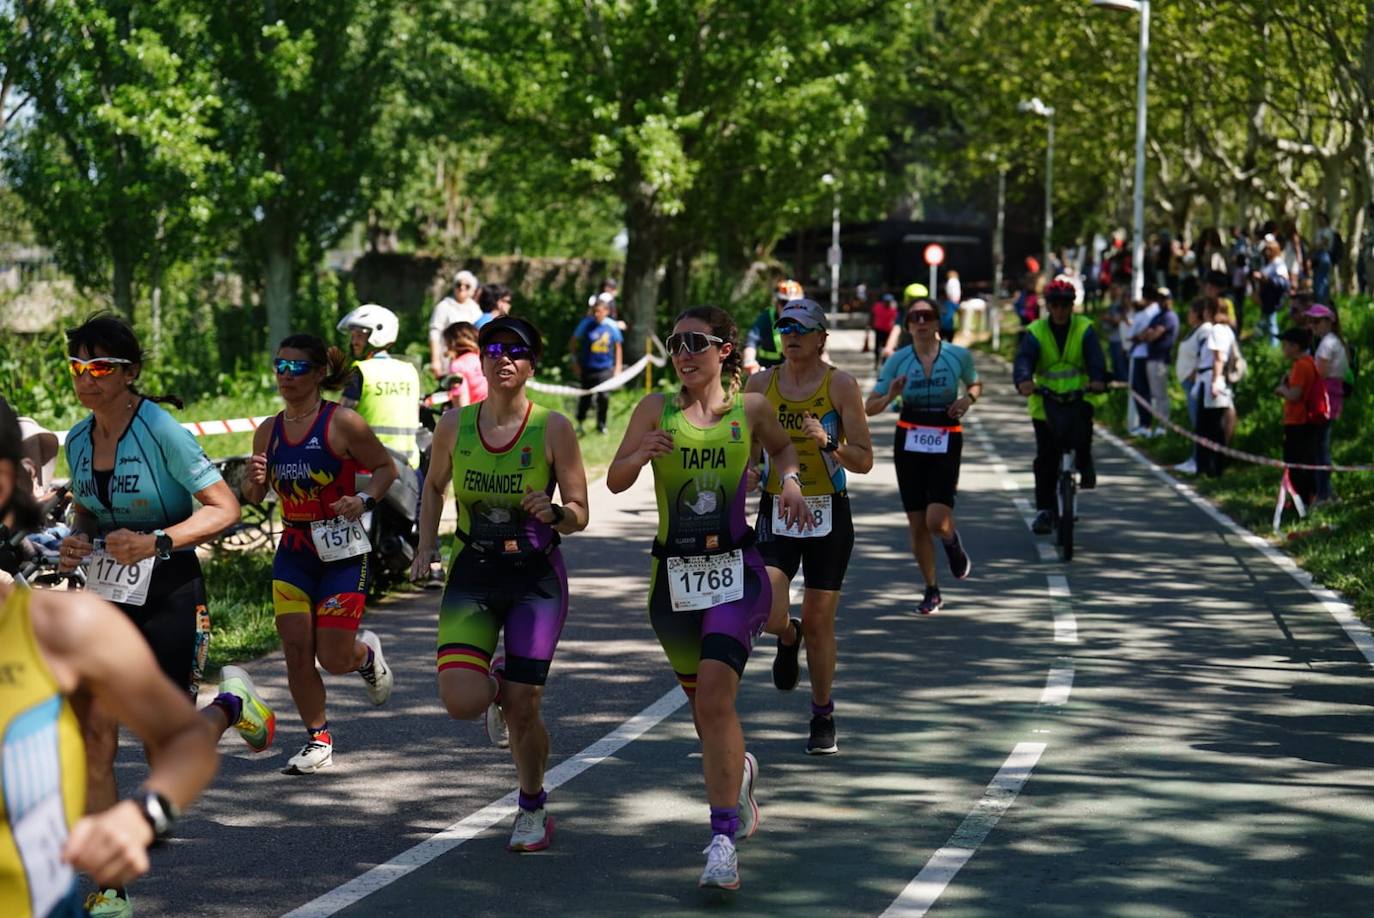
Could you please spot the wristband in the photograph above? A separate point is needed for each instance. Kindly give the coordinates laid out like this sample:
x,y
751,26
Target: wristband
x,y
559,514
160,812
790,476
830,446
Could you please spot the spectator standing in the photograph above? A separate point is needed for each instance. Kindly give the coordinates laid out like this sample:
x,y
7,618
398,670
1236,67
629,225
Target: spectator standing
x,y
882,320
1333,363
597,352
1186,367
467,382
609,288
954,291
1274,280
1294,253
461,307
1140,354
1216,285
494,301
1216,399
1159,337
1306,410
1114,321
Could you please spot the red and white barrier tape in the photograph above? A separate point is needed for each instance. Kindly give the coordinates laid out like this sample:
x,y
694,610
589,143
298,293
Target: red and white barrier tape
x,y
1238,454
207,428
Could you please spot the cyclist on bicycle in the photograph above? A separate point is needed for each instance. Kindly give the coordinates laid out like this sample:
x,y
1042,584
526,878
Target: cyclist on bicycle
x,y
1061,353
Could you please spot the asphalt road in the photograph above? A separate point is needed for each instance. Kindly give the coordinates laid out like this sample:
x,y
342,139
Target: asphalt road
x,y
1169,725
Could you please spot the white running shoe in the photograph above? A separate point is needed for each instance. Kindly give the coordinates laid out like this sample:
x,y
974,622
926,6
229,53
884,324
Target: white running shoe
x,y
722,864
494,720
314,756
533,831
380,680
1186,468
748,809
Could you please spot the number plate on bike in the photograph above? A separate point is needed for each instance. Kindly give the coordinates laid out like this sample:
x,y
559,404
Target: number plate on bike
x,y
820,508
927,440
126,583
703,581
339,538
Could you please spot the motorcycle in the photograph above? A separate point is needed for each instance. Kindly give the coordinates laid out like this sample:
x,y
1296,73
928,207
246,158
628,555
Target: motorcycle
x,y
33,557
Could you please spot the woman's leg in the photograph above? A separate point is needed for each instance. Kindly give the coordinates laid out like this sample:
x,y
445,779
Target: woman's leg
x,y
297,630
921,546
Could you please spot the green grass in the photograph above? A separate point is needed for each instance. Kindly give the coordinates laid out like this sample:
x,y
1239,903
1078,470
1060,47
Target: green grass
x,y
1335,543
239,587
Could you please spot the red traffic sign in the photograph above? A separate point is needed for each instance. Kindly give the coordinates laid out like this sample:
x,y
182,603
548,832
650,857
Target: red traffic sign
x,y
934,254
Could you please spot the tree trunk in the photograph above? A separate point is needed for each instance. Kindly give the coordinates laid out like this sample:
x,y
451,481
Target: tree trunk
x,y
679,281
643,256
123,282
279,251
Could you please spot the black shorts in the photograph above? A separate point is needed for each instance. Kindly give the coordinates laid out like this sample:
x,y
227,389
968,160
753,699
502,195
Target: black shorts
x,y
825,558
175,620
927,478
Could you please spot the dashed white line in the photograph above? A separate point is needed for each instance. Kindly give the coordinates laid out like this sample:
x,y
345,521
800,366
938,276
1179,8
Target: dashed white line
x,y
921,893
471,826
1058,685
1065,625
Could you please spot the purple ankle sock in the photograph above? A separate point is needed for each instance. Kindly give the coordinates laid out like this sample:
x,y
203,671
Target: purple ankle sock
x,y
231,704
822,710
725,821
532,802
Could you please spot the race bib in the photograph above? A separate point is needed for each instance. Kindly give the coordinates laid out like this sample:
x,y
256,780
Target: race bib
x,y
927,440
703,581
40,835
126,583
339,538
820,507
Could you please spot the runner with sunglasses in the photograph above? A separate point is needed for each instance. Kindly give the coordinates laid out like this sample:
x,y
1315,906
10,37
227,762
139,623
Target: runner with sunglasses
x,y
822,411
508,455
709,595
928,441
134,474
310,454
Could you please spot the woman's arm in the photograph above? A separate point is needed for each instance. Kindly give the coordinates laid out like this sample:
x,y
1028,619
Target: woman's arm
x,y
643,442
856,453
565,455
764,426
432,497
361,444
255,482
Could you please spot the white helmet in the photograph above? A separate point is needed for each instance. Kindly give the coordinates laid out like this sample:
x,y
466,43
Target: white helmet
x,y
380,322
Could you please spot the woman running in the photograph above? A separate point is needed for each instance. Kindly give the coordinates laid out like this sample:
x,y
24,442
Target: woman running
x,y
929,439
56,646
709,596
310,455
822,411
134,473
508,574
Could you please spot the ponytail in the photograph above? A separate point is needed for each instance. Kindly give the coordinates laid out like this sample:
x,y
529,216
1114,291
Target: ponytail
x,y
723,327
330,359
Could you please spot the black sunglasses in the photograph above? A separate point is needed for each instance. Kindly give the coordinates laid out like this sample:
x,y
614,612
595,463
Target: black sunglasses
x,y
921,317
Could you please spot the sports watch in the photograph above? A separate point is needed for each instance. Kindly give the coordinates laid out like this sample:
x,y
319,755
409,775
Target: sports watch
x,y
160,812
163,544
369,502
790,476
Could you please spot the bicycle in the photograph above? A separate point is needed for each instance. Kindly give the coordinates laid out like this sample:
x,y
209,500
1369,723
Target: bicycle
x,y
256,527
1064,415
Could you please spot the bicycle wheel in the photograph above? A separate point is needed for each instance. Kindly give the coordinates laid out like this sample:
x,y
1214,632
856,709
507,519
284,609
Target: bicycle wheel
x,y
1067,493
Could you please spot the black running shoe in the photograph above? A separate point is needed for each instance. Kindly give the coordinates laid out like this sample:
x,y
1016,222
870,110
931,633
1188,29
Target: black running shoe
x,y
932,601
786,668
959,564
822,740
1044,523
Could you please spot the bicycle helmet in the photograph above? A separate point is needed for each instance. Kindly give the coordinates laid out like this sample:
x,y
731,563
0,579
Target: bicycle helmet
x,y
381,324
1061,291
787,291
916,291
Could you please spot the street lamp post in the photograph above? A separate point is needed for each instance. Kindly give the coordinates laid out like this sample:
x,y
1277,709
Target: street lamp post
x,y
998,254
1138,205
834,255
1040,109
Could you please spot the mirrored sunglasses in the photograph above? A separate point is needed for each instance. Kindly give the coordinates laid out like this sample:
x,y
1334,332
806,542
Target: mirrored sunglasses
x,y
794,328
98,367
498,349
286,367
691,343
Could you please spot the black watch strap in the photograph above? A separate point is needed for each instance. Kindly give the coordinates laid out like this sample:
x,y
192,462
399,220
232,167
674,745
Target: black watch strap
x,y
559,514
160,812
830,445
369,502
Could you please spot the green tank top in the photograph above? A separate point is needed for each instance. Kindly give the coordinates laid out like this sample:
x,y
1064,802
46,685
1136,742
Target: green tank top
x,y
489,482
700,485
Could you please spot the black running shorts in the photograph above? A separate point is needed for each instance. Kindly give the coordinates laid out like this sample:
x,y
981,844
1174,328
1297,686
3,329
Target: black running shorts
x,y
825,558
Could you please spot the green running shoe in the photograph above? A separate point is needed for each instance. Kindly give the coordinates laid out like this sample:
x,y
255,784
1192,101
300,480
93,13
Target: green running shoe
x,y
257,724
109,904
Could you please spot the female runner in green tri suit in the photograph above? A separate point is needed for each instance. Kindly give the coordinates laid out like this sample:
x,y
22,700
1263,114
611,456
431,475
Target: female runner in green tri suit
x,y
709,596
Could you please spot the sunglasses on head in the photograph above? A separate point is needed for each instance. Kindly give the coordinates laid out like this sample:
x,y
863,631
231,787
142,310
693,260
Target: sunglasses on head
x,y
921,317
794,328
98,367
286,367
498,349
691,343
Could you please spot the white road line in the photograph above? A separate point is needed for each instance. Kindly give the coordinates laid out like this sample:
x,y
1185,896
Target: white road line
x,y
1065,625
1337,607
471,826
1058,685
921,893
